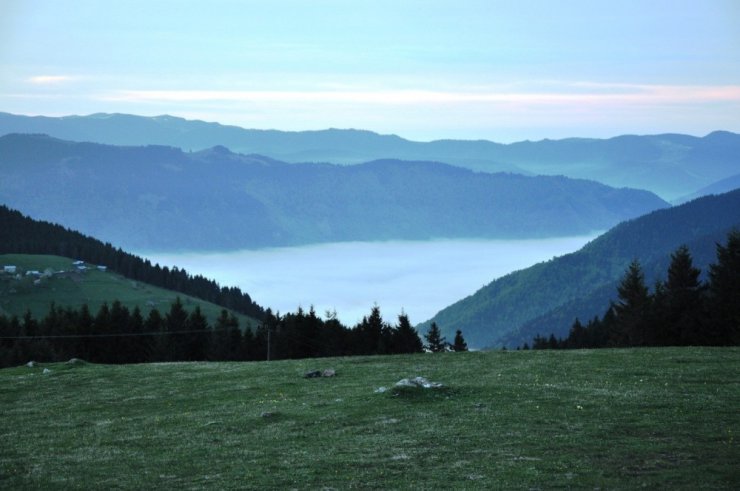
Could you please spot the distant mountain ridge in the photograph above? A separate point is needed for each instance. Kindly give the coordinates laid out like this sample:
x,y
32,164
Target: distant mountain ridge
x,y
547,297
161,198
670,165
722,186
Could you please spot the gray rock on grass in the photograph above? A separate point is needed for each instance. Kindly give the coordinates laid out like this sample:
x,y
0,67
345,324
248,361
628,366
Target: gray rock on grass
x,y
329,372
420,382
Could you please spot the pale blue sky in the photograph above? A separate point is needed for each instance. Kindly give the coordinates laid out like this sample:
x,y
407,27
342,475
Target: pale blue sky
x,y
502,71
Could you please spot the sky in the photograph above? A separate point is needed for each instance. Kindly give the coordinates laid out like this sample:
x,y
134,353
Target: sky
x,y
422,69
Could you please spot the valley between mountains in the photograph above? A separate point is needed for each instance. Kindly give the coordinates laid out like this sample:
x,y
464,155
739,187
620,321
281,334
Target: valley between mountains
x,y
141,194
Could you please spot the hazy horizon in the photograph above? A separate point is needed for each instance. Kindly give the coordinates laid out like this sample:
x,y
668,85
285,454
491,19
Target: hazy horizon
x,y
574,136
422,70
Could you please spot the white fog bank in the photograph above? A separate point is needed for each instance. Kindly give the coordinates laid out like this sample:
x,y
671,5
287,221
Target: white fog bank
x,y
418,277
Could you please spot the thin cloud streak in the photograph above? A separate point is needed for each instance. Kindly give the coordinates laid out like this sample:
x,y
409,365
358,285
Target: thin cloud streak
x,y
603,94
50,79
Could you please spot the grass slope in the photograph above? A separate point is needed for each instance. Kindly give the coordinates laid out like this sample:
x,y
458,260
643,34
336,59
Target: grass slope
x,y
652,418
92,287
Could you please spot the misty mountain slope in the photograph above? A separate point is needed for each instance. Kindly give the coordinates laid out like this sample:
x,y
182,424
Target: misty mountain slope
x,y
160,198
548,296
670,165
559,320
719,187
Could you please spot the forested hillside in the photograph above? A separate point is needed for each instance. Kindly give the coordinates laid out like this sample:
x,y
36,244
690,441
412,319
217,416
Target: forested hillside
x,y
160,198
118,333
680,309
670,165
548,296
22,235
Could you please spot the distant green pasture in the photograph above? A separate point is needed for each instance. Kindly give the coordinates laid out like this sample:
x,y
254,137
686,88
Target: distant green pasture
x,y
73,288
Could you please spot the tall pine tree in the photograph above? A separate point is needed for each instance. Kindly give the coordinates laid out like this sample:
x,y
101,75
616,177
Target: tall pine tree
x,y
435,341
631,326
405,337
459,343
724,289
683,301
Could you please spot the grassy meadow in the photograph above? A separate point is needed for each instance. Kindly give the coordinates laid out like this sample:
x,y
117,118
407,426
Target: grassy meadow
x,y
93,287
606,419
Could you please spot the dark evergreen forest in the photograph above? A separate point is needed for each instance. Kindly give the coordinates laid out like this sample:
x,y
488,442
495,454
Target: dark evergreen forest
x,y
681,310
116,334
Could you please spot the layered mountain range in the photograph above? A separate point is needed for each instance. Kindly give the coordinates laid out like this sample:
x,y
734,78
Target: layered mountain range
x,y
670,165
169,184
162,198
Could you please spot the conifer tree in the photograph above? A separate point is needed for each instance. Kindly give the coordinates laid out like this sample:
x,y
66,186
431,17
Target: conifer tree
x,y
371,334
309,331
6,345
435,341
141,344
539,342
335,337
724,288
30,349
174,323
683,301
101,325
197,339
118,349
220,338
405,337
237,342
84,325
153,325
632,308
459,344
577,336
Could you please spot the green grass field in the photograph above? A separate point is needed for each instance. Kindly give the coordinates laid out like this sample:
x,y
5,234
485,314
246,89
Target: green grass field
x,y
92,287
607,419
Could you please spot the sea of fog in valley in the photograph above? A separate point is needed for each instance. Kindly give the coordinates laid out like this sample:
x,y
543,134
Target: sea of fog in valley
x,y
418,277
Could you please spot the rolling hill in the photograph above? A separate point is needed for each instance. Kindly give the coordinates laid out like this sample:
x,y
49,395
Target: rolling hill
x,y
161,198
65,285
33,245
670,165
548,296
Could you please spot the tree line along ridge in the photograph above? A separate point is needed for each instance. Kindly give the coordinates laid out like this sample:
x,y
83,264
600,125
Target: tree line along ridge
x,y
679,311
